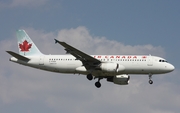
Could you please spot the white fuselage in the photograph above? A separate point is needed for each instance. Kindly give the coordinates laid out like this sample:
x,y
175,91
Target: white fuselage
x,y
132,64
114,68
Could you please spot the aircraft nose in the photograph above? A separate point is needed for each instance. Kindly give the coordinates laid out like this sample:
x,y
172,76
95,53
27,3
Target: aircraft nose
x,y
170,67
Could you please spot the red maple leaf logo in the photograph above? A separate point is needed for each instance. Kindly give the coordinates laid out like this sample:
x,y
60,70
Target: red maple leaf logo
x,y
25,46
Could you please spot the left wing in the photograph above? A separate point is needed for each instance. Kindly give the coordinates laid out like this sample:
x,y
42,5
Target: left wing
x,y
88,61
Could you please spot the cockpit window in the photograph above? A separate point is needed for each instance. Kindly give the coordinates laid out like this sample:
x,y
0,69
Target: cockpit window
x,y
162,60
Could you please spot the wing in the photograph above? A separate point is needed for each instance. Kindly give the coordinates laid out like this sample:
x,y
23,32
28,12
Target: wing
x,y
88,61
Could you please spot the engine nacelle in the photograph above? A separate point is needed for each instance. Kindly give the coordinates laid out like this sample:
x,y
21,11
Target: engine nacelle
x,y
111,67
119,79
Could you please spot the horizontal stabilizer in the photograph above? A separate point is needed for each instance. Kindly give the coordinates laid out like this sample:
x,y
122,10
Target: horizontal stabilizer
x,y
19,57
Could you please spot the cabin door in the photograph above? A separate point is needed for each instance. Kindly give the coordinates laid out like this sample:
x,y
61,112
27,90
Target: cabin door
x,y
41,60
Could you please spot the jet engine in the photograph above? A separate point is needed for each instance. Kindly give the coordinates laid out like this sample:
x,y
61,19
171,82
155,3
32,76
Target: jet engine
x,y
119,79
111,67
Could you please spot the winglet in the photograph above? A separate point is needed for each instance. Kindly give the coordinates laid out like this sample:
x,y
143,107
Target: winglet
x,y
56,41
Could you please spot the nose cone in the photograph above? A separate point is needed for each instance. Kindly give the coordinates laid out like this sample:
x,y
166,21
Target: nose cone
x,y
170,67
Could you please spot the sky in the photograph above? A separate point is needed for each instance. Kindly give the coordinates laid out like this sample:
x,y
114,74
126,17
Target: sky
x,y
96,27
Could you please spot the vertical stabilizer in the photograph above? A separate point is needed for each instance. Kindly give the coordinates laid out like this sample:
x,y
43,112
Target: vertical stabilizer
x,y
26,45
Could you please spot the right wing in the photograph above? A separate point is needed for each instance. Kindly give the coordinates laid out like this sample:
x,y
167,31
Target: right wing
x,y
88,61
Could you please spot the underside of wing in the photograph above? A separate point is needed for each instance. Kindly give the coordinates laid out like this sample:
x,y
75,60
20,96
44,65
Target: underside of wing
x,y
87,60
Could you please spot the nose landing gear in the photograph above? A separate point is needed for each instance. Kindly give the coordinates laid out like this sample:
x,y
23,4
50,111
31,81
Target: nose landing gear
x,y
150,82
150,79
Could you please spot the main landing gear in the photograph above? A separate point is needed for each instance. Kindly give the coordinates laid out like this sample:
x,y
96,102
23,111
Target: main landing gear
x,y
97,84
150,79
89,77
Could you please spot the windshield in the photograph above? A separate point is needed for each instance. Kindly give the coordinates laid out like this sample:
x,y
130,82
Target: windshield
x,y
161,60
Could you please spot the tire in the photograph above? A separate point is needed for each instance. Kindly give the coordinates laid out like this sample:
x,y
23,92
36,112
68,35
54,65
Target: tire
x,y
98,84
150,82
89,77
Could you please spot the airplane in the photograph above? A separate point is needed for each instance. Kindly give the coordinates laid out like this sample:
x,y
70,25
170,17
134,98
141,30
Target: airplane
x,y
113,68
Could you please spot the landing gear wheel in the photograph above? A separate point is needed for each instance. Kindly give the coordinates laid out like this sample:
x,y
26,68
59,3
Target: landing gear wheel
x,y
150,82
98,84
150,77
89,77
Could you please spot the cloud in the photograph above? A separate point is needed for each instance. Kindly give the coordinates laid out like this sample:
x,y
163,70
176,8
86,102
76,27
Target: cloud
x,y
80,37
72,93
22,3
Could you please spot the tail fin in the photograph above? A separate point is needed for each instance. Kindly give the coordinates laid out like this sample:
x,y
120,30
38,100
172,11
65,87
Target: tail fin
x,y
26,45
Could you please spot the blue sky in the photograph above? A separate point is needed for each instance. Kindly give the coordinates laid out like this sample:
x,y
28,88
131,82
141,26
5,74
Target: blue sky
x,y
96,27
